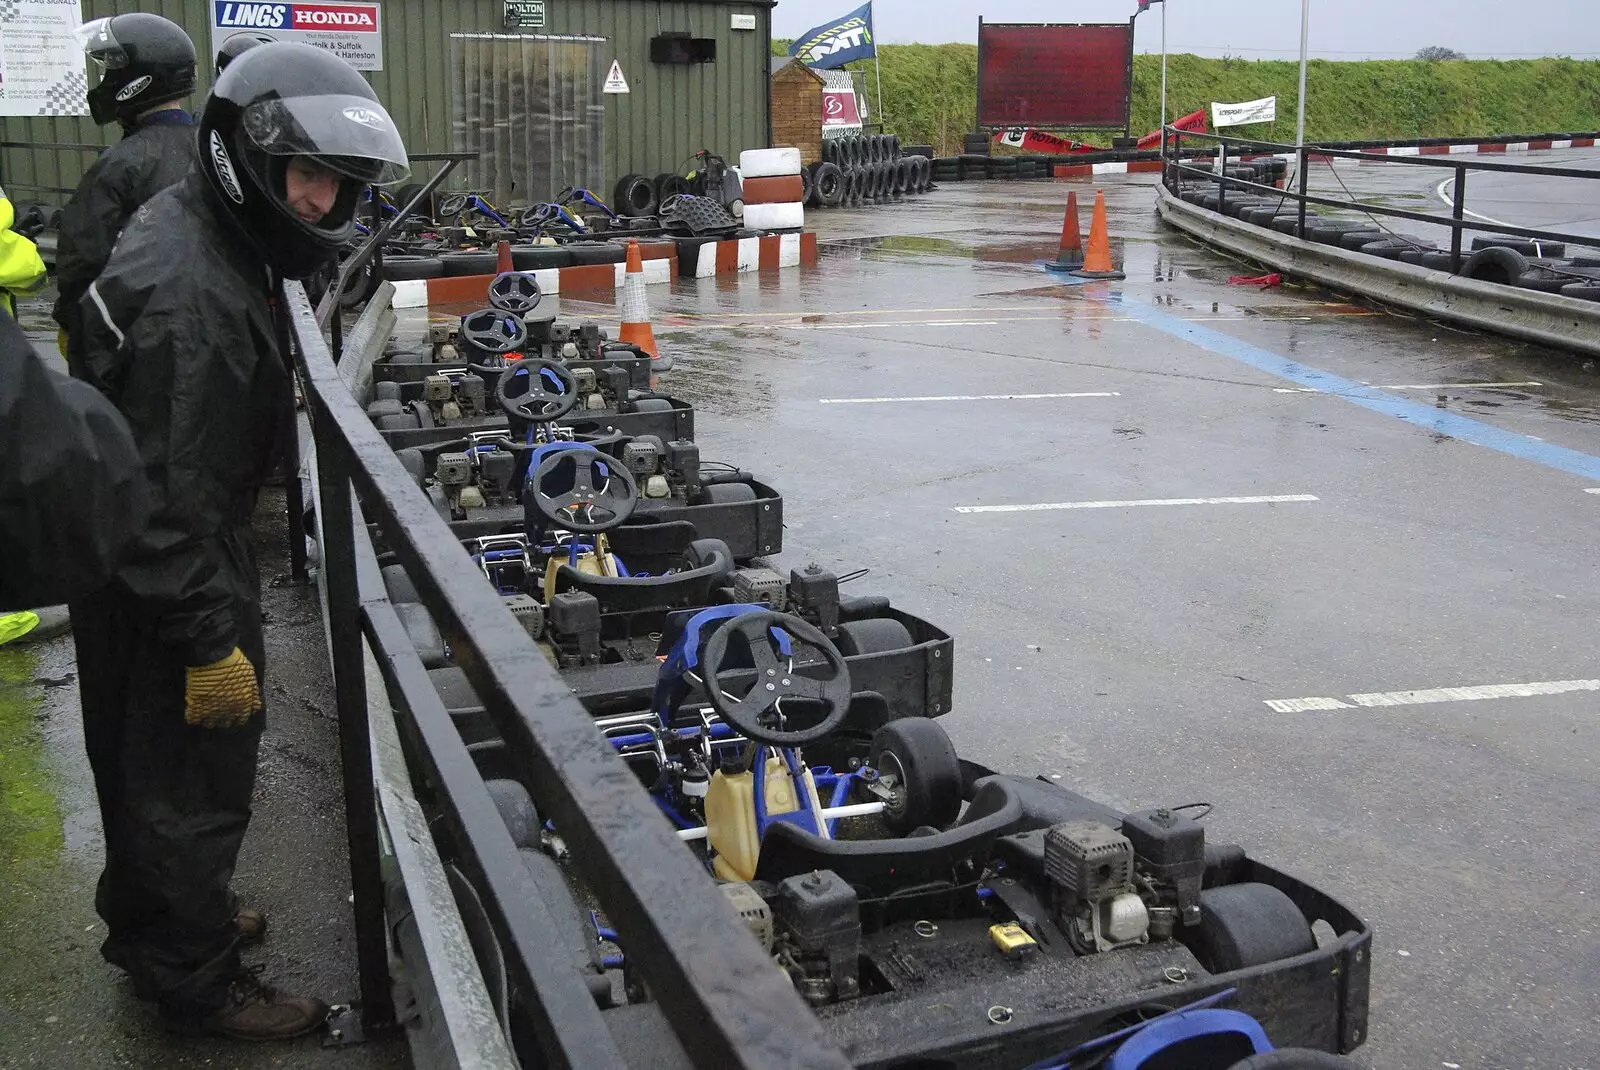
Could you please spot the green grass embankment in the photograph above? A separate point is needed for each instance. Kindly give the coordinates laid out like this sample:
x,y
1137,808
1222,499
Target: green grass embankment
x,y
930,95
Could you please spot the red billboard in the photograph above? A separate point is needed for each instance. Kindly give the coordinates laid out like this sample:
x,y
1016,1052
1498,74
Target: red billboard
x,y
1077,76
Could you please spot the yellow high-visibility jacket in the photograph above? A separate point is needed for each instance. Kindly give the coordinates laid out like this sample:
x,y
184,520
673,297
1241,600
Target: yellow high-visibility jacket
x,y
21,269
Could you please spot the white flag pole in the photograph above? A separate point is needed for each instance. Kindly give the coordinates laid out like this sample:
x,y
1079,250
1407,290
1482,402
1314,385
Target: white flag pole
x,y
1305,37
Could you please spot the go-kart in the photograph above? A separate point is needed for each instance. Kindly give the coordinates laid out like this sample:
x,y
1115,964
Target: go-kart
x,y
602,396
478,482
936,913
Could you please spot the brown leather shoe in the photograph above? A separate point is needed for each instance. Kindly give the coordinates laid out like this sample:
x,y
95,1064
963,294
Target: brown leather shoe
x,y
250,924
256,1011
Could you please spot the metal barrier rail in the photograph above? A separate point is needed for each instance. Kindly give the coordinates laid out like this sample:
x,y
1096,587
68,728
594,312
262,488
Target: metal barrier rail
x,y
1174,170
726,1004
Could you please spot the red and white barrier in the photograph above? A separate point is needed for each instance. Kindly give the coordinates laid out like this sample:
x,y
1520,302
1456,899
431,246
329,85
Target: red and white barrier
x,y
748,254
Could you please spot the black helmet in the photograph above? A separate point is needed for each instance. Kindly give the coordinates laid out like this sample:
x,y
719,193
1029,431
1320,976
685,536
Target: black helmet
x,y
284,100
144,60
239,42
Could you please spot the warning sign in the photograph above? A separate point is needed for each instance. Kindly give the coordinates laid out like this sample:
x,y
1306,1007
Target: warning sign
x,y
615,82
348,30
42,68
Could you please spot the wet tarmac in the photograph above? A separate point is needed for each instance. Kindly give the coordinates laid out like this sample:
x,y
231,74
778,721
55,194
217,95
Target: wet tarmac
x,y
932,366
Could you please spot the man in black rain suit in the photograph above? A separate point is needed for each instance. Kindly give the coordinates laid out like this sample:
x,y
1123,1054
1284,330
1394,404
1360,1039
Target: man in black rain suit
x,y
180,332
146,66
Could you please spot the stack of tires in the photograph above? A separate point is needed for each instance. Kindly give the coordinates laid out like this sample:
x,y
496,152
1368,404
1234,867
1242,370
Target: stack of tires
x,y
870,169
774,189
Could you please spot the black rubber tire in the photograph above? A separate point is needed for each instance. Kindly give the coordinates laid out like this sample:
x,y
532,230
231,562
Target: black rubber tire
x,y
1388,248
382,407
1542,281
669,185
1525,246
405,421
1355,239
1296,1059
385,391
728,493
1583,291
517,811
830,151
539,257
1436,261
635,195
407,268
359,288
458,264
1495,264
808,185
415,464
1245,925
875,635
1290,224
1414,256
929,792
413,356
397,584
828,181
596,252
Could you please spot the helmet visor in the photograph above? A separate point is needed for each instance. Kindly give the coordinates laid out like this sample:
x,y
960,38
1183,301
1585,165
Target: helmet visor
x,y
351,134
100,44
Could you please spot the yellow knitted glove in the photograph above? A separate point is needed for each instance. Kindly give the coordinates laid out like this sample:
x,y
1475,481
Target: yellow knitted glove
x,y
223,694
61,342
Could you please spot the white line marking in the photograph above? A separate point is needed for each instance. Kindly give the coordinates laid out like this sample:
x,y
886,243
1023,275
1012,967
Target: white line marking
x,y
900,323
1538,247
1435,695
966,397
1412,386
1262,499
1307,705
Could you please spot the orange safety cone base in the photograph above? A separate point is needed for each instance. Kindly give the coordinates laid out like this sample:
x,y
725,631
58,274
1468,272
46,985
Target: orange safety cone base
x,y
1097,258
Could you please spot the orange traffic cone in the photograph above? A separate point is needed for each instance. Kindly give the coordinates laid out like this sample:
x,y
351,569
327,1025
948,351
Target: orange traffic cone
x,y
1071,255
503,258
635,306
1097,258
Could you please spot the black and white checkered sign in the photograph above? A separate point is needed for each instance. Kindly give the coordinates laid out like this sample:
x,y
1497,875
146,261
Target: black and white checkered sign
x,y
66,97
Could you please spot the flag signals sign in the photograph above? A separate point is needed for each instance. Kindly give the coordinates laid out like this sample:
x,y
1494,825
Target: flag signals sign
x,y
350,31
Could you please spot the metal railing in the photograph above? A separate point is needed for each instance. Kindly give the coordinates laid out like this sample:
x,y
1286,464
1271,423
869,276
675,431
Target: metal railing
x,y
718,992
1175,169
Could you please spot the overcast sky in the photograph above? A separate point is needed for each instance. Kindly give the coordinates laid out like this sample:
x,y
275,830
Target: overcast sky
x,y
1255,29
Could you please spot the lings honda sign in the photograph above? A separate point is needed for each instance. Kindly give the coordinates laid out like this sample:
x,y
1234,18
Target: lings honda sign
x,y
350,31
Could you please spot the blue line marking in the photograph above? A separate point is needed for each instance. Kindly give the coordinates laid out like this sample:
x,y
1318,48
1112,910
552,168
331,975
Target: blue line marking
x,y
1455,426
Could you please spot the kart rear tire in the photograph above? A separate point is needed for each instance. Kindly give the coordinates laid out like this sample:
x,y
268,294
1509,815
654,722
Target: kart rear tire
x,y
539,257
651,405
397,583
386,391
1496,263
669,185
596,252
875,635
729,493
1246,925
405,421
516,810
921,753
385,407
415,464
1295,1059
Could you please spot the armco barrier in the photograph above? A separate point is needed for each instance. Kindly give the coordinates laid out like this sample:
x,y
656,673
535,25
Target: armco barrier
x,y
1545,319
715,989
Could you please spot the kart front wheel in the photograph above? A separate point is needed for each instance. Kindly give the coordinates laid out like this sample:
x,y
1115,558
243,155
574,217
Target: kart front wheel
x,y
926,774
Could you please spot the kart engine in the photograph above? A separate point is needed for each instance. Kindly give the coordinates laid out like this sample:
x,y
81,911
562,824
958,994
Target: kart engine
x,y
819,922
455,397
1113,888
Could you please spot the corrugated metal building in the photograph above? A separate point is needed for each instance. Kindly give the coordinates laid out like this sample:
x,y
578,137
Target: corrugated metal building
x,y
460,74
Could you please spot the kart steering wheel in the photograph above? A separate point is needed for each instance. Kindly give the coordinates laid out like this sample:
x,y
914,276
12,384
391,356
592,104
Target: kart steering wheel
x,y
576,504
775,679
494,331
452,206
537,215
537,391
514,291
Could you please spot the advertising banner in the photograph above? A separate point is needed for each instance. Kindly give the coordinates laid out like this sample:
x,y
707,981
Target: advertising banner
x,y
1075,77
1038,141
834,44
348,30
1264,110
42,69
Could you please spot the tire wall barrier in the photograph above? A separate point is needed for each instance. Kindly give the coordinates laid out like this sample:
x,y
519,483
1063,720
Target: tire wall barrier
x,y
867,169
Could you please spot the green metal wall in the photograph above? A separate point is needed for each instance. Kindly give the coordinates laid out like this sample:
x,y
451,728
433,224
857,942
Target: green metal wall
x,y
672,111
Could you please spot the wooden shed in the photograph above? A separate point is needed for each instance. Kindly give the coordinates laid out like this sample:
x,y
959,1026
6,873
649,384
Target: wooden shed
x,y
797,109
